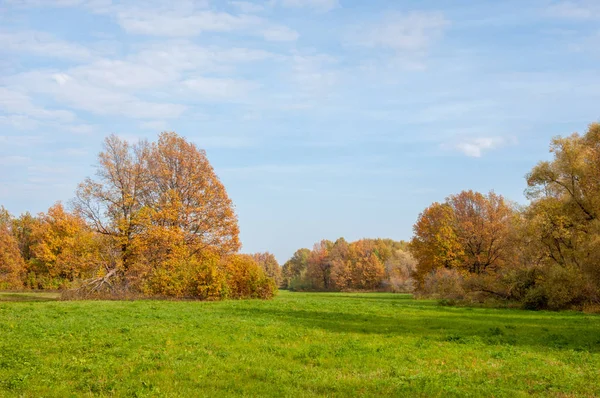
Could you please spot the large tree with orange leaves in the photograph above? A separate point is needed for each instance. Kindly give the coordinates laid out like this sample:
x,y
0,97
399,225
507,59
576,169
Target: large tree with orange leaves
x,y
469,232
483,225
113,203
435,243
157,203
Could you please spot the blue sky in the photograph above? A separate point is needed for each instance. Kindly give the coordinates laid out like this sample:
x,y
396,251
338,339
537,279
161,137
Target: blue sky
x,y
323,118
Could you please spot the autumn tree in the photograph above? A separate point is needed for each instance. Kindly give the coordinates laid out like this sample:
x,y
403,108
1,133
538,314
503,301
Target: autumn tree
x,y
356,266
319,265
6,219
343,265
269,264
400,267
435,243
185,192
22,229
565,194
340,266
113,203
63,248
12,265
482,224
162,209
469,231
295,268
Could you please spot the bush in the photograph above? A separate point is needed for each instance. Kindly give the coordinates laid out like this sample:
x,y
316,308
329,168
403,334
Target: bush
x,y
246,279
551,287
195,277
444,283
300,283
565,288
535,299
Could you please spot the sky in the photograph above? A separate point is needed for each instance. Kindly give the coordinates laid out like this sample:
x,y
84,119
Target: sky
x,y
323,118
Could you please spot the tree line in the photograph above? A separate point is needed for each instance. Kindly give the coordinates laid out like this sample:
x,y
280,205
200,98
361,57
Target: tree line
x,y
366,264
155,221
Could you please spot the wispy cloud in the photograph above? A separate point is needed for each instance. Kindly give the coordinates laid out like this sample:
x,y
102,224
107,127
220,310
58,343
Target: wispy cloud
x,y
318,5
476,146
155,23
247,6
42,44
82,95
402,32
279,33
21,106
14,160
583,9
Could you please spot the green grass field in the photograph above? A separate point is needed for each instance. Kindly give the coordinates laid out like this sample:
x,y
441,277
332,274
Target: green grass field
x,y
299,344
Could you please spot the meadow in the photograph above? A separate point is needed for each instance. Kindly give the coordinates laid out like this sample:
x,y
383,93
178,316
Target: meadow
x,y
298,344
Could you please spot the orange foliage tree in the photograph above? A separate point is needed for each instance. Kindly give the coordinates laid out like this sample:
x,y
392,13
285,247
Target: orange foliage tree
x,y
169,220
359,268
12,266
185,192
435,243
63,249
343,266
319,266
482,224
469,232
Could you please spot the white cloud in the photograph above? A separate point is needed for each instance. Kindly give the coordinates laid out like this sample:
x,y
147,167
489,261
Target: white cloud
x,y
575,9
411,32
20,140
340,169
173,24
220,88
45,169
73,152
247,7
81,129
319,5
42,44
18,122
45,3
279,33
179,56
474,147
174,71
120,74
20,105
314,74
13,160
154,125
223,141
79,94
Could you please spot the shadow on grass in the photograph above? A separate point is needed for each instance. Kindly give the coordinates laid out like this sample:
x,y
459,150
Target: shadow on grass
x,y
539,330
28,297
371,296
